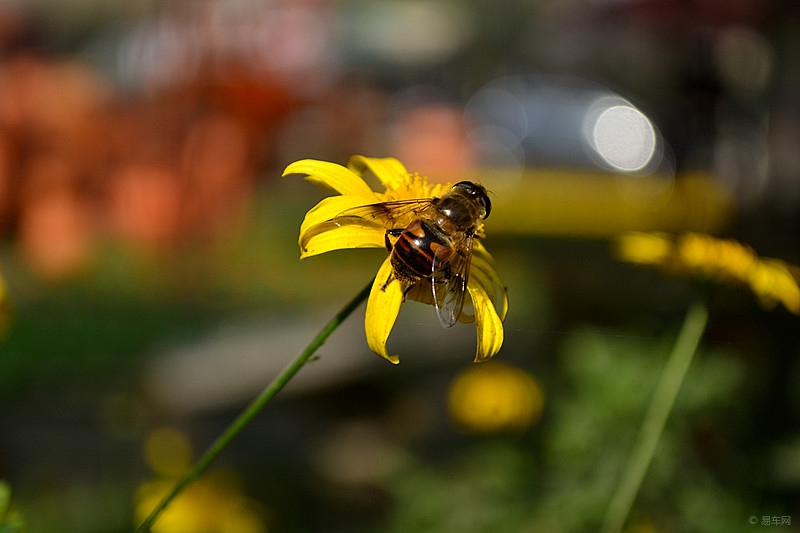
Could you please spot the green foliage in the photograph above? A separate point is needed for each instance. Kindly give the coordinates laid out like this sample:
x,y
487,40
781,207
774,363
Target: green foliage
x,y
562,480
483,490
10,519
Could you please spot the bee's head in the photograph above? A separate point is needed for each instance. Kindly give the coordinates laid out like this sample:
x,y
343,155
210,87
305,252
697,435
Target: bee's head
x,y
477,193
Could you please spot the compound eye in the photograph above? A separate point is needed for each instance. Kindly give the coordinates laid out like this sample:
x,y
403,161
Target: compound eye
x,y
476,192
487,204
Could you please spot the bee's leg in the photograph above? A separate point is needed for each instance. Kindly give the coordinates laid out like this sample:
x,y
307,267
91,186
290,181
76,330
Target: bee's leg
x,y
386,283
407,289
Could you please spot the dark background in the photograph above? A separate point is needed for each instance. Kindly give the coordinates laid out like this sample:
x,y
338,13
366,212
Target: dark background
x,y
149,248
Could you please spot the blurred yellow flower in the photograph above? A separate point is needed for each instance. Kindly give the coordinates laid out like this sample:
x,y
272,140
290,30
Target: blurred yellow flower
x,y
168,452
723,260
644,248
214,503
495,398
319,233
11,520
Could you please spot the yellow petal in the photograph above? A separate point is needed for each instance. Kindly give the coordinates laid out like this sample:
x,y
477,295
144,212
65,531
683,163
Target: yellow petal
x,y
488,325
643,248
388,170
332,176
772,281
328,208
318,234
383,306
332,237
484,273
491,287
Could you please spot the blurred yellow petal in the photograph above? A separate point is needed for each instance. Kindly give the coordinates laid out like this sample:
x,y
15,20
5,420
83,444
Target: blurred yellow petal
x,y
488,325
772,281
643,248
713,259
699,253
213,503
331,176
382,309
736,260
388,170
168,451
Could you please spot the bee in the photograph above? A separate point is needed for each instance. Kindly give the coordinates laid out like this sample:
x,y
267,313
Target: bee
x,y
430,241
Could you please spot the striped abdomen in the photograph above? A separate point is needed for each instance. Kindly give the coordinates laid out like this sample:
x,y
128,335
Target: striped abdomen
x,y
416,250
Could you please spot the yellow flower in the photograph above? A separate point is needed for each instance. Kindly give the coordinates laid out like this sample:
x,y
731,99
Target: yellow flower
x,y
721,260
644,248
214,503
495,398
319,234
11,520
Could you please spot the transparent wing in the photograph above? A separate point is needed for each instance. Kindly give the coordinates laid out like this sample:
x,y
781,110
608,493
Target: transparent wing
x,y
385,215
380,216
449,280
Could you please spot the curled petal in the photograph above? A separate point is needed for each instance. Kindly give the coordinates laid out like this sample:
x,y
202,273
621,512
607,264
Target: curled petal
x,y
490,284
383,306
488,325
319,234
328,208
484,273
331,176
388,170
332,237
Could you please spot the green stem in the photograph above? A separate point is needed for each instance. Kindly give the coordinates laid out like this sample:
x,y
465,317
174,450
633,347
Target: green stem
x,y
660,406
254,408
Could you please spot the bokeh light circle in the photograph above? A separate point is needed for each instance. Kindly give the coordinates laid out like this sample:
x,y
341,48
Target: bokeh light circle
x,y
623,137
495,398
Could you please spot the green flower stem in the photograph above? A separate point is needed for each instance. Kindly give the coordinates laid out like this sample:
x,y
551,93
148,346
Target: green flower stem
x,y
660,406
255,407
